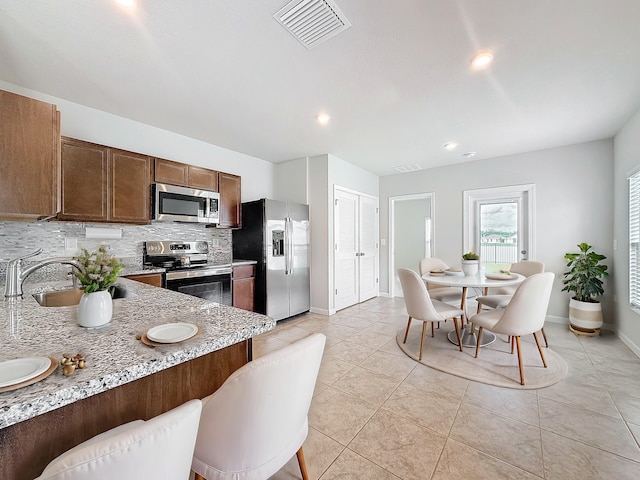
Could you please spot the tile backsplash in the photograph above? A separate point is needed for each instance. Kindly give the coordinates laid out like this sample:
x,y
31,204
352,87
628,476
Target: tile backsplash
x,y
20,238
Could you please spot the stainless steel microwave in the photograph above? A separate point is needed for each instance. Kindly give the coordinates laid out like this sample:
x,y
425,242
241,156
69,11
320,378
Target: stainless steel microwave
x,y
171,203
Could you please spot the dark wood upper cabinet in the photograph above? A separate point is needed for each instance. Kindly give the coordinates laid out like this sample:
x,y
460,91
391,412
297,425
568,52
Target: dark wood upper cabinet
x,y
103,184
203,178
129,187
183,175
230,200
29,157
84,181
173,173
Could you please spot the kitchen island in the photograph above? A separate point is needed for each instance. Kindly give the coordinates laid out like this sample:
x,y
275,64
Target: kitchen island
x,y
124,379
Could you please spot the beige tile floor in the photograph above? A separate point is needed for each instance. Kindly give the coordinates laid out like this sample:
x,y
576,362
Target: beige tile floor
x,y
377,414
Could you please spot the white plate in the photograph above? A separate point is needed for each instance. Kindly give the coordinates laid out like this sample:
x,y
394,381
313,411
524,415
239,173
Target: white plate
x,y
501,276
22,369
172,332
457,273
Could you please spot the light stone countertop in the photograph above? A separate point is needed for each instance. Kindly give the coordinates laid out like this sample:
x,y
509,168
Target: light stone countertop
x,y
113,354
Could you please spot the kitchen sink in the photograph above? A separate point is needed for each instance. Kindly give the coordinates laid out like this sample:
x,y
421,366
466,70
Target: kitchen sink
x,y
72,296
60,298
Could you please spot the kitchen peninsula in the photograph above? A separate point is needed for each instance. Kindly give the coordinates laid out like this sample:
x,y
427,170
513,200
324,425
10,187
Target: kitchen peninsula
x,y
124,379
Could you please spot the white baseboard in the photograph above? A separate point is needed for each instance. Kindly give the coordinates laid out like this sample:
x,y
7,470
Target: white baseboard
x,y
322,311
383,294
629,343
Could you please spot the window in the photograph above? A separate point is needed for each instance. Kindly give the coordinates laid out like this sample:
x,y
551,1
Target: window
x,y
634,241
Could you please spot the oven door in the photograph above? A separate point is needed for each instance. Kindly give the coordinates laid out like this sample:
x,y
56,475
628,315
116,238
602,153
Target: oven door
x,y
215,288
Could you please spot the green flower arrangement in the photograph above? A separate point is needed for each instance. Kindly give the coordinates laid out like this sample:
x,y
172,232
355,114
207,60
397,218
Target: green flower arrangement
x,y
100,270
470,255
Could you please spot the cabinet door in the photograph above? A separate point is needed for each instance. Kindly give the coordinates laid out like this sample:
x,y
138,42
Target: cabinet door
x,y
129,189
243,289
203,178
170,172
155,279
84,181
230,200
29,135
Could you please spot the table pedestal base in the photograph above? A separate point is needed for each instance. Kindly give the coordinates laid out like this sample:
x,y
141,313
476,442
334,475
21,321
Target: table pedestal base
x,y
470,339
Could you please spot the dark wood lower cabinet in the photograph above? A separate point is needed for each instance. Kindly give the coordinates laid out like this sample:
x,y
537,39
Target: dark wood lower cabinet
x,y
27,447
155,279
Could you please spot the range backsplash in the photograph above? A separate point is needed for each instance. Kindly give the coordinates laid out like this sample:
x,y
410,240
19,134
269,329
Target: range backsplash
x,y
20,238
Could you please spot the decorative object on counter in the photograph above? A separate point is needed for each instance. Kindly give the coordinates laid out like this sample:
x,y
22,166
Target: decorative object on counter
x,y
100,271
469,263
69,363
583,278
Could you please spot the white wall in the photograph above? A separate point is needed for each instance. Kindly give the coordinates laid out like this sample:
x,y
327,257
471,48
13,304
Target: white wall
x,y
627,159
574,201
409,219
324,173
290,181
100,127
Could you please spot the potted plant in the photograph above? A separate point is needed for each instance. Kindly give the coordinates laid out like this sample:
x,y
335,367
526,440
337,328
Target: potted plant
x,y
469,263
99,271
583,279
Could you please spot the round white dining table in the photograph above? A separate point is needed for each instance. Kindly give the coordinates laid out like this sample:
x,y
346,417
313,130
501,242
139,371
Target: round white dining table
x,y
479,280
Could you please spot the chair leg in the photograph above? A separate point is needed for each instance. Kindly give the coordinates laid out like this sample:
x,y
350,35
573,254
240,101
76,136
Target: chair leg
x,y
455,323
544,362
432,329
520,360
424,331
512,340
544,335
199,477
303,465
407,332
479,338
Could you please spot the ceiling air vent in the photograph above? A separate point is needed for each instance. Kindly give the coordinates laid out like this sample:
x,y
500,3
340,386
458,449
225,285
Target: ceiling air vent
x,y
408,168
312,21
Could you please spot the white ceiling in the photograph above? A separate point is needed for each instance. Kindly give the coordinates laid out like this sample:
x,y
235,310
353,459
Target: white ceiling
x,y
397,84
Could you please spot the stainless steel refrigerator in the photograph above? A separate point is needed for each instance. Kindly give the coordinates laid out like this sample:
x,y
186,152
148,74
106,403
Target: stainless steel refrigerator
x,y
276,235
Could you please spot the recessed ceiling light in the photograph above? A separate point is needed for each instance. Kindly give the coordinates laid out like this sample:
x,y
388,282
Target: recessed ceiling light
x,y
131,4
469,154
323,118
482,59
450,145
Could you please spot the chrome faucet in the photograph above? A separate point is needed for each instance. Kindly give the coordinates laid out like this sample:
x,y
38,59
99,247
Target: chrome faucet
x,y
16,277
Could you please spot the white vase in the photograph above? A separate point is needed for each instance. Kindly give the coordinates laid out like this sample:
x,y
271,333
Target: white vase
x,y
95,309
469,267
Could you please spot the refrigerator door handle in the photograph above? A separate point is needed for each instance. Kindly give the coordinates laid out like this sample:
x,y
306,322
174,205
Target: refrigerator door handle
x,y
288,247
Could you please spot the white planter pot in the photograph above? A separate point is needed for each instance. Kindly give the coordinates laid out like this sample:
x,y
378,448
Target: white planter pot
x,y
95,309
469,267
585,315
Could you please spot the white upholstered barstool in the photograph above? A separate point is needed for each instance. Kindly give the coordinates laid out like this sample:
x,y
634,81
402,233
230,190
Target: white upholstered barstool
x,y
159,448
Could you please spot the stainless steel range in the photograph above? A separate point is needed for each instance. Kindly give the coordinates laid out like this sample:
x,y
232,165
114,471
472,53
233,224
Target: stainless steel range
x,y
189,271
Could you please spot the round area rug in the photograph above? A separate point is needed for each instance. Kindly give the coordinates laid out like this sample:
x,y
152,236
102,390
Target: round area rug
x,y
495,364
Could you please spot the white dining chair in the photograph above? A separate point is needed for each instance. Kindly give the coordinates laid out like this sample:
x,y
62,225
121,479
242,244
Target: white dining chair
x,y
160,448
257,420
420,306
524,314
501,296
438,292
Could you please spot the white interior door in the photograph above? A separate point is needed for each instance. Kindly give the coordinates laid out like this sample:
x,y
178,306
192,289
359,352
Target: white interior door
x,y
368,258
346,249
356,221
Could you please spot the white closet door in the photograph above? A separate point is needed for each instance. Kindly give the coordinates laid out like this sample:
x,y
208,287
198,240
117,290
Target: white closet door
x,y
356,248
346,247
368,258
